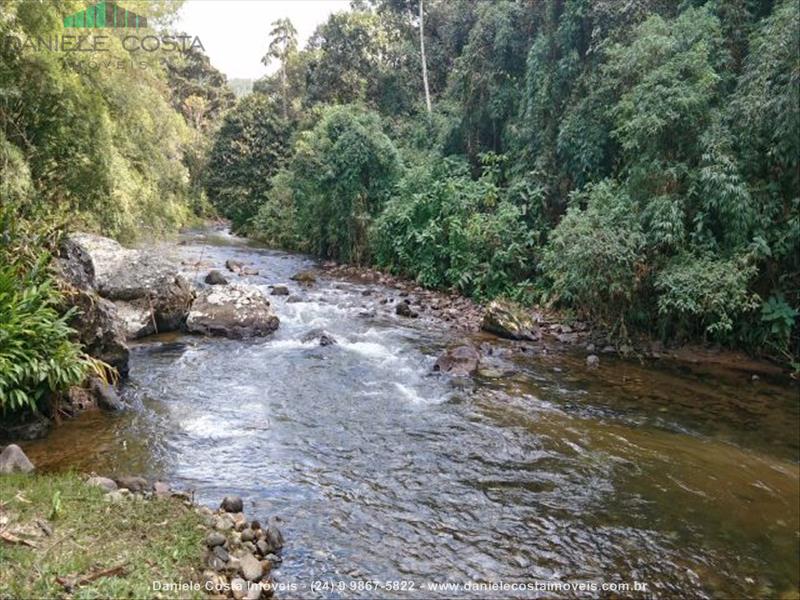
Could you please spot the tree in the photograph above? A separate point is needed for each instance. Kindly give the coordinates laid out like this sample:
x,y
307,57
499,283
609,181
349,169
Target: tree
x,y
422,58
282,46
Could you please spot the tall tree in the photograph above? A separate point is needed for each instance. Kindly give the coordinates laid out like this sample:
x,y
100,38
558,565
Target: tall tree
x,y
283,44
422,55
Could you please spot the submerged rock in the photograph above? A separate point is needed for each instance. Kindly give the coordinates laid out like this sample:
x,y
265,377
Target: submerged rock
x,y
280,290
403,309
234,311
510,320
105,395
13,459
214,277
325,338
307,277
460,361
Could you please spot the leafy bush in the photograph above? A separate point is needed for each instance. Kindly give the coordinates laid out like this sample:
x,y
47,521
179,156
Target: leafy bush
x,y
594,258
343,170
447,230
37,357
704,294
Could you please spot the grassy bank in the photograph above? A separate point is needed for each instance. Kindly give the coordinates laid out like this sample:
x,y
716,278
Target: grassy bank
x,y
60,536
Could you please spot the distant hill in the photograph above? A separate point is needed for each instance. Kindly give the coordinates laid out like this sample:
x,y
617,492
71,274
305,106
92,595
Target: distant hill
x,y
241,87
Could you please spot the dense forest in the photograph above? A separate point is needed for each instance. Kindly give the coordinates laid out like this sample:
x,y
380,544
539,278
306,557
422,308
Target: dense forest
x,y
636,164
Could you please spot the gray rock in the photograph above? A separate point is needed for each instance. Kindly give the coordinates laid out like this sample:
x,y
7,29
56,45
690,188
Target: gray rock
x,y
102,482
221,553
232,504
247,535
223,523
150,293
132,483
403,309
461,361
252,569
105,395
234,311
13,460
509,320
239,588
273,559
325,338
99,328
234,265
294,298
274,537
214,277
592,361
215,538
280,290
263,548
215,562
253,592
307,277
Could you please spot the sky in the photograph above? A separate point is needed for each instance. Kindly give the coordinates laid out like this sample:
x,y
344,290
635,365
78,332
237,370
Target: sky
x,y
234,33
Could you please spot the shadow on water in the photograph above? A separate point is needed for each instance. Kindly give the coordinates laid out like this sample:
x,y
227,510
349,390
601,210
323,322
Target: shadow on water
x,y
683,478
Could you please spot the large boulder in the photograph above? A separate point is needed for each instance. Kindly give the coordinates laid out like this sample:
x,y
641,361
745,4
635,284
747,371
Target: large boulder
x,y
460,361
151,296
234,311
95,320
99,328
510,320
13,459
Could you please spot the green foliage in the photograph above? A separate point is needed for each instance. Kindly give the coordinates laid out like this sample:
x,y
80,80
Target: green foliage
x,y
594,258
447,230
342,173
37,357
705,294
248,149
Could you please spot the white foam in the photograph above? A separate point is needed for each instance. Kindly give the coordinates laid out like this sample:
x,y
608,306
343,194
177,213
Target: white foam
x,y
209,426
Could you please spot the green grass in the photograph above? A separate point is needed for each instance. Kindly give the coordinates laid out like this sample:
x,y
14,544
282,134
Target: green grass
x,y
156,540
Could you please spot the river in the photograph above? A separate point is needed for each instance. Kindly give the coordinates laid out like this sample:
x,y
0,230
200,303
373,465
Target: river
x,y
684,479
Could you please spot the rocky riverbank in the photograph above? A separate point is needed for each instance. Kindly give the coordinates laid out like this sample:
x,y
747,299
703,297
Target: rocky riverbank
x,y
64,535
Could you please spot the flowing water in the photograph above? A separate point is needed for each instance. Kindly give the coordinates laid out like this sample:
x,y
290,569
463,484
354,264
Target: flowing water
x,y
685,480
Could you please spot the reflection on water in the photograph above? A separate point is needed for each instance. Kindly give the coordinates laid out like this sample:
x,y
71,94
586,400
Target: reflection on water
x,y
685,480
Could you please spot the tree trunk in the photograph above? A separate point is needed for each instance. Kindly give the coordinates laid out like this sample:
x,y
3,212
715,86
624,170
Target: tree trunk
x,y
422,53
285,91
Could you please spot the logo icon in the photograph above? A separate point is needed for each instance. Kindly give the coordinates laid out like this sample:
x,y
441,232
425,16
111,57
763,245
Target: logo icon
x,y
105,14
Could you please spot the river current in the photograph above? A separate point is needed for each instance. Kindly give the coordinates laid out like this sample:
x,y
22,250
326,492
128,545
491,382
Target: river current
x,y
682,479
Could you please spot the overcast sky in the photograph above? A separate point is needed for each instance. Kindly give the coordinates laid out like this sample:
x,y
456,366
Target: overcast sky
x,y
235,32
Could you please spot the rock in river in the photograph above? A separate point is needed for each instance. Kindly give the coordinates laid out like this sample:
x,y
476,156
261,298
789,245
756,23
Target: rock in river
x,y
325,338
460,361
150,295
232,504
234,311
306,277
214,277
510,320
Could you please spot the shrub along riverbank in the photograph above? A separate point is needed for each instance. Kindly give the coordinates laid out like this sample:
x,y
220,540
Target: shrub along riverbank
x,y
637,166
